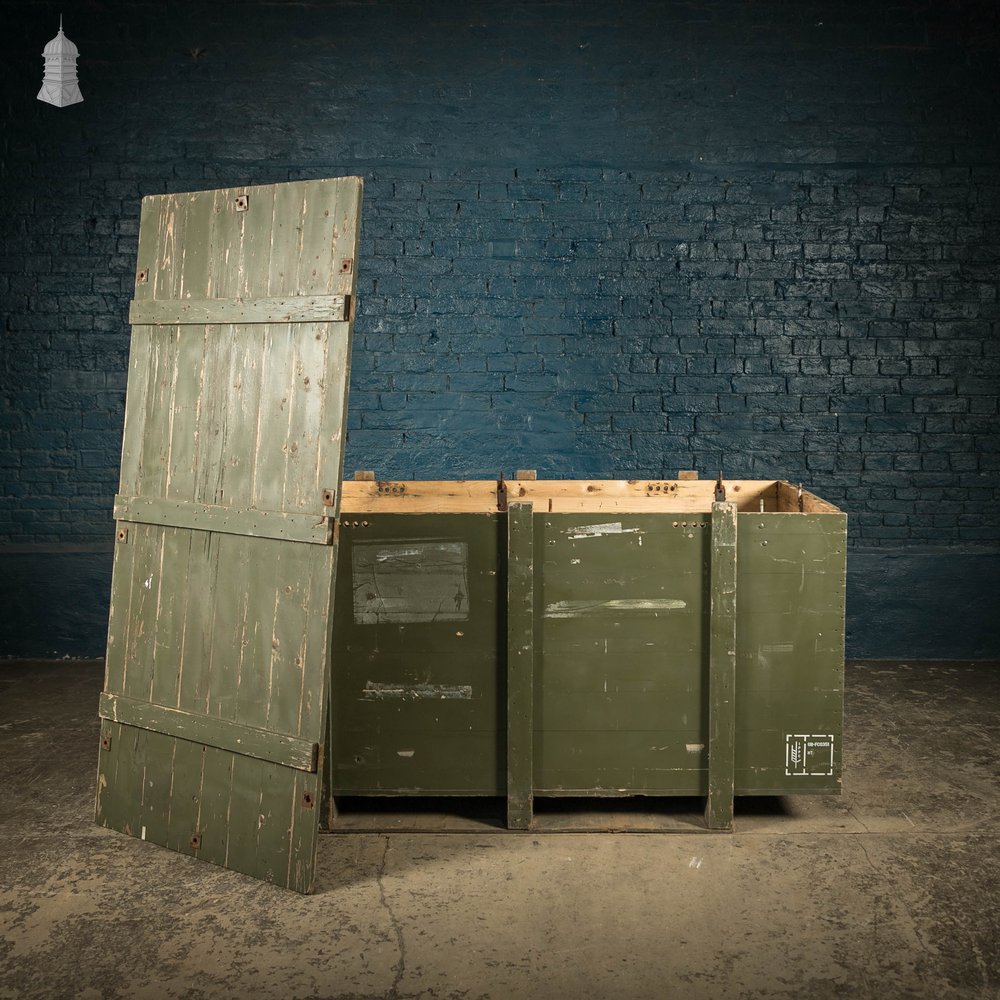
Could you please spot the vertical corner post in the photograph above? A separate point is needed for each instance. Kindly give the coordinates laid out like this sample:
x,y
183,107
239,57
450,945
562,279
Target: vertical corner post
x,y
520,664
722,669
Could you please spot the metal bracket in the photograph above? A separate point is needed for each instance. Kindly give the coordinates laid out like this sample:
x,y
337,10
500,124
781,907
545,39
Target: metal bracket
x,y
122,534
720,490
329,497
346,265
501,494
242,202
142,277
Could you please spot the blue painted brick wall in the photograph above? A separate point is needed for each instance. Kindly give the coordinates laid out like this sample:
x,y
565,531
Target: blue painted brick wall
x,y
599,239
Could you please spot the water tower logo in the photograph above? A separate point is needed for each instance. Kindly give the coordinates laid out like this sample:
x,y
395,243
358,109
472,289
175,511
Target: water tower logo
x,y
59,86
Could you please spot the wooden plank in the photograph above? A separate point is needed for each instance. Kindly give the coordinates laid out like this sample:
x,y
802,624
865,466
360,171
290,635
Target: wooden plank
x,y
520,664
391,743
262,744
204,312
237,420
722,669
792,498
136,400
554,496
283,525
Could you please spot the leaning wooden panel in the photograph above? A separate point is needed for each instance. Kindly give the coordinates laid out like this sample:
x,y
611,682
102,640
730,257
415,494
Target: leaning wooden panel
x,y
218,643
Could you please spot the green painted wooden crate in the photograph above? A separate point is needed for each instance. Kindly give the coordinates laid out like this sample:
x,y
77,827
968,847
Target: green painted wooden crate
x,y
593,638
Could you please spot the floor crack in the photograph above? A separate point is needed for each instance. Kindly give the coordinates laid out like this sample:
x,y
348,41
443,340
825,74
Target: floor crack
x,y
857,818
397,927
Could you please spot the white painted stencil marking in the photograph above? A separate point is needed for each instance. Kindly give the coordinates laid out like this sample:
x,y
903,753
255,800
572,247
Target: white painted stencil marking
x,y
694,747
148,583
695,863
599,530
405,753
809,755
578,609
388,554
377,691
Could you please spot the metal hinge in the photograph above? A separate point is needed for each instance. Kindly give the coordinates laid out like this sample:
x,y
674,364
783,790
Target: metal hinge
x,y
720,490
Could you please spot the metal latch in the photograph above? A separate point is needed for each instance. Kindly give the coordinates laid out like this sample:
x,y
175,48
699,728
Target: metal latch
x,y
501,493
720,490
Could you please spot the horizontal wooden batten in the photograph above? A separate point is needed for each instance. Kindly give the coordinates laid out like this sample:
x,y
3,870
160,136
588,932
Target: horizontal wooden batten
x,y
283,525
568,496
202,312
288,751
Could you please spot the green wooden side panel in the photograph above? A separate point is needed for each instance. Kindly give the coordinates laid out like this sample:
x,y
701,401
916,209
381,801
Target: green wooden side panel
x,y
209,620
621,619
621,654
417,699
790,653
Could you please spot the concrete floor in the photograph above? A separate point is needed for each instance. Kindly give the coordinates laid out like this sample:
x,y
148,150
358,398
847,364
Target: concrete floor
x,y
888,891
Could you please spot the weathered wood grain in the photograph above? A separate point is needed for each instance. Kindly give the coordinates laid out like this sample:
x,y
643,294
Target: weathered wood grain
x,y
202,312
289,527
234,427
555,496
520,664
722,669
262,744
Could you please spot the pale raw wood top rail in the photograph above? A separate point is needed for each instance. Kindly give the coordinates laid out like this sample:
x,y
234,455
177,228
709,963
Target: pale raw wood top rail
x,y
567,496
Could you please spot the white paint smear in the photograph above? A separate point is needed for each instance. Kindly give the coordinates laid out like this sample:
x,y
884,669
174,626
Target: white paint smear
x,y
694,747
377,691
599,530
579,609
405,753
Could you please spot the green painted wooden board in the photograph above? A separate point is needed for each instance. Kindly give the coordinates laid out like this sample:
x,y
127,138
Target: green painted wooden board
x,y
222,589
621,660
